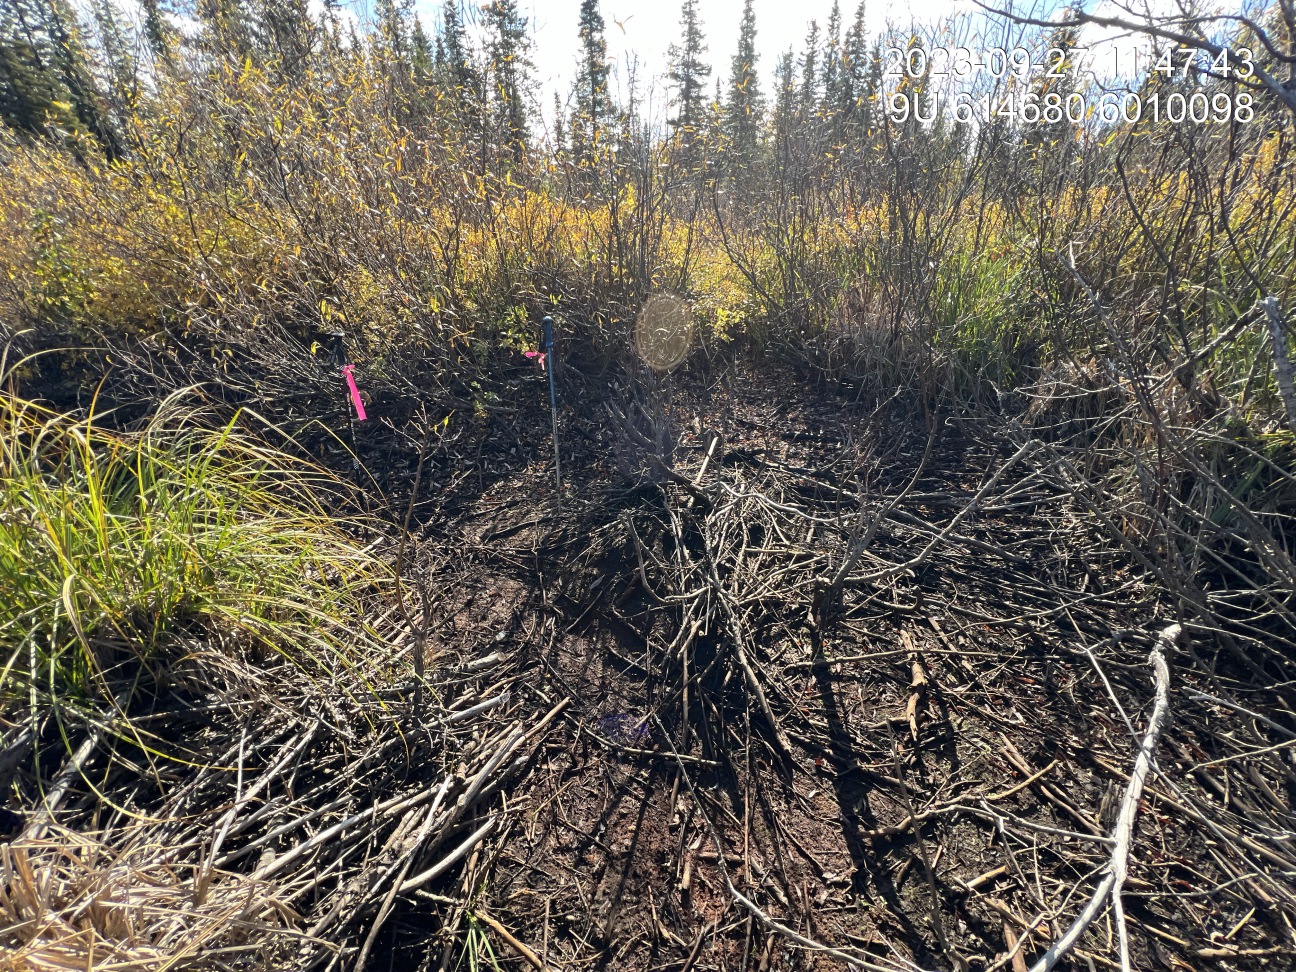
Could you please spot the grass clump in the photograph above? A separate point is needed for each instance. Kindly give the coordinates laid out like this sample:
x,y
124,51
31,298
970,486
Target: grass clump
x,y
123,553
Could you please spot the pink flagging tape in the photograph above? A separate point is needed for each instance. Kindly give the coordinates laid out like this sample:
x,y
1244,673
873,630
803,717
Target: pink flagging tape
x,y
355,392
537,354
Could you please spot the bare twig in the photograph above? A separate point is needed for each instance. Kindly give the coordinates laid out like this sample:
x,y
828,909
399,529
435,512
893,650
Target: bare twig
x,y
1123,833
1282,360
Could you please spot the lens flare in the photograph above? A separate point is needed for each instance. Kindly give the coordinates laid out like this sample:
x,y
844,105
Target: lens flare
x,y
663,331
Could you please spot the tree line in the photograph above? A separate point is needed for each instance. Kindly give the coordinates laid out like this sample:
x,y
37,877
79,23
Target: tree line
x,y
84,72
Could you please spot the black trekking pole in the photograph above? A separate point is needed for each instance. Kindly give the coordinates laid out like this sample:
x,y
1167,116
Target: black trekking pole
x,y
553,398
340,362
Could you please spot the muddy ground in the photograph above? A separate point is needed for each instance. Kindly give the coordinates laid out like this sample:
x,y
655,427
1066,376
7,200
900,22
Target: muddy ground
x,y
935,753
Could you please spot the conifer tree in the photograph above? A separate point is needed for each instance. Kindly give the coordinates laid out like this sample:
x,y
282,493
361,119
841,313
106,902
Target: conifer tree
x,y
832,55
560,133
29,89
873,84
224,29
853,103
453,44
421,55
689,73
715,116
393,27
592,103
785,94
1049,146
456,74
508,48
119,71
156,30
809,71
746,105
43,67
285,32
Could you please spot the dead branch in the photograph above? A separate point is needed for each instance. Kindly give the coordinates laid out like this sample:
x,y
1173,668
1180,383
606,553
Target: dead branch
x,y
1123,833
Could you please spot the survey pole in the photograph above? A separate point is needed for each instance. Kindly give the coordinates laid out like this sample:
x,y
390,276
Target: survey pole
x,y
553,397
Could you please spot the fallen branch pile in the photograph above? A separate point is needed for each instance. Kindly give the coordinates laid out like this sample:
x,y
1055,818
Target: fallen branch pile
x,y
301,817
943,659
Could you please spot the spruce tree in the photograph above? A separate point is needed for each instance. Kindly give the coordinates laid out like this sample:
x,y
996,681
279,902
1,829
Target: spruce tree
x,y
508,48
394,27
43,66
873,85
224,29
1050,146
422,56
689,73
117,45
68,57
423,64
560,133
832,55
785,95
716,116
30,91
456,75
592,103
285,33
452,42
853,84
156,30
746,105
809,71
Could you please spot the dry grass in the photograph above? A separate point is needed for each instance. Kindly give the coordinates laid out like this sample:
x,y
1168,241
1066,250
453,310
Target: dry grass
x,y
69,901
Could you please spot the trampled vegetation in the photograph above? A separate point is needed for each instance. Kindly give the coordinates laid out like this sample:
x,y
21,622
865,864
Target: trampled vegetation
x,y
831,649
